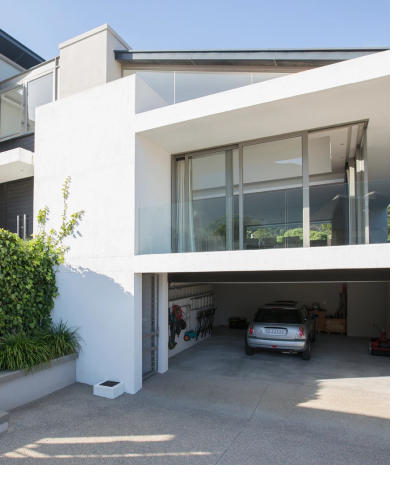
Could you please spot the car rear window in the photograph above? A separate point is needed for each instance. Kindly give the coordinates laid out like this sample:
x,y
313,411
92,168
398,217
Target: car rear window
x,y
277,315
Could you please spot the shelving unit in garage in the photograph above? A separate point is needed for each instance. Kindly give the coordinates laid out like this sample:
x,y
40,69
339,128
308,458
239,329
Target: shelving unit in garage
x,y
192,298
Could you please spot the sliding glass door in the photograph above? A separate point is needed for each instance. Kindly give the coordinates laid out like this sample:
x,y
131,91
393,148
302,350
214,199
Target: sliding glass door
x,y
272,194
305,189
206,211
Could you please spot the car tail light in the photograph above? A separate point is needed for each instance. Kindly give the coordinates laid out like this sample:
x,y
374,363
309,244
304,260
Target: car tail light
x,y
301,332
251,332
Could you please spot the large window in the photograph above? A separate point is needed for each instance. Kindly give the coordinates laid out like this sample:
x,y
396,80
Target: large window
x,y
39,92
272,194
12,112
214,211
306,189
206,212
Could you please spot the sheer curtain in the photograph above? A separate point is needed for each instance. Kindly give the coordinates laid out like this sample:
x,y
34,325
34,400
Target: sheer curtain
x,y
184,208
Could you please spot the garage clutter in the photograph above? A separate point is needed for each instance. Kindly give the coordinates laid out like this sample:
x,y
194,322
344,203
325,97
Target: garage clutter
x,y
191,313
238,322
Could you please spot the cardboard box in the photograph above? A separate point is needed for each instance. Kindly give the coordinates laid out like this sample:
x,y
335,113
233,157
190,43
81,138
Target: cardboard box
x,y
335,325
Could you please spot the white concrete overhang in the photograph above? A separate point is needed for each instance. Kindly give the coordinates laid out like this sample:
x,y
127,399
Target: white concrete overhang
x,y
354,90
365,256
16,164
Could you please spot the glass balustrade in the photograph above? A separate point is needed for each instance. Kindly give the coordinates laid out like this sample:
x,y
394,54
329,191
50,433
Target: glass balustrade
x,y
22,94
156,89
339,215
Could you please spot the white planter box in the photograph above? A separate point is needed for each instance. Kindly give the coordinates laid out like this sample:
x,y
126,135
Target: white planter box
x,y
109,390
21,387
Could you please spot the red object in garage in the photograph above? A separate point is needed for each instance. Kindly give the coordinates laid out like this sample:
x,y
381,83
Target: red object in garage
x,y
381,345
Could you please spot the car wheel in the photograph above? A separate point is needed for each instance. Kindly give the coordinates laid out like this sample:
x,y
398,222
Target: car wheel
x,y
248,350
306,353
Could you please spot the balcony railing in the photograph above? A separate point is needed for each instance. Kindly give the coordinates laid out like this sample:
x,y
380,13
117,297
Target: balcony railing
x,y
156,89
20,95
339,215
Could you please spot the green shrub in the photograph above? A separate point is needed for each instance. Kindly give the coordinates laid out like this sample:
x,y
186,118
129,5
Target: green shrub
x,y
61,340
22,352
27,283
28,272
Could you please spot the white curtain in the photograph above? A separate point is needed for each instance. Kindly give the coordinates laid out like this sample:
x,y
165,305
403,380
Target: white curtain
x,y
184,208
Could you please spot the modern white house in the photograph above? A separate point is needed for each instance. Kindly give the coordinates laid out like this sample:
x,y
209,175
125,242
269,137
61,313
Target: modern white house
x,y
209,179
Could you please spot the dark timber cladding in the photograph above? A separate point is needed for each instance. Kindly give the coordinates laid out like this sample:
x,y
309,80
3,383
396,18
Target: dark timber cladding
x,y
16,199
299,276
26,142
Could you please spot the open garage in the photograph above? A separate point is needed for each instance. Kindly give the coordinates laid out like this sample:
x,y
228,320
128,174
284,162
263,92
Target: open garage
x,y
349,303
298,407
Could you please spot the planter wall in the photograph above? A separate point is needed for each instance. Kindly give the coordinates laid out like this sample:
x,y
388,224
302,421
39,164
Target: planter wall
x,y
19,387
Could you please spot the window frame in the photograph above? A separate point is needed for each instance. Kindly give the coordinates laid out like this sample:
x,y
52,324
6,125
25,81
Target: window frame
x,y
22,80
12,88
240,145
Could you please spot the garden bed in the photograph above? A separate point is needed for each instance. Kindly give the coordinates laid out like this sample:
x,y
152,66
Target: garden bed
x,y
21,387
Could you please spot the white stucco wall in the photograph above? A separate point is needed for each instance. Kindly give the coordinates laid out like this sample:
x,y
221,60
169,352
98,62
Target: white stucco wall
x,y
88,60
90,137
320,258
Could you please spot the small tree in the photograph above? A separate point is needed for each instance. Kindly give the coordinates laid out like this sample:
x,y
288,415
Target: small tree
x,y
28,271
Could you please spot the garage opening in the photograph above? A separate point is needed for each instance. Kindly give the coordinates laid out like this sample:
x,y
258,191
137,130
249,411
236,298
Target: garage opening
x,y
220,306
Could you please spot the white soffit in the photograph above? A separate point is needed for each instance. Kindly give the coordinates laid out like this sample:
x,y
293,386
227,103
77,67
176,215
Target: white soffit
x,y
16,164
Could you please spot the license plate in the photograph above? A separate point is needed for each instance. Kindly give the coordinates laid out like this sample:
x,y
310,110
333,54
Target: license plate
x,y
276,331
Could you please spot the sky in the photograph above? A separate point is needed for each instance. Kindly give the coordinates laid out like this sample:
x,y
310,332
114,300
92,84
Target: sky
x,y
208,24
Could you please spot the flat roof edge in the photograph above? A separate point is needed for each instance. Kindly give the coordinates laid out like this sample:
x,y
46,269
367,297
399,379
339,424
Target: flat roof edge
x,y
301,57
311,49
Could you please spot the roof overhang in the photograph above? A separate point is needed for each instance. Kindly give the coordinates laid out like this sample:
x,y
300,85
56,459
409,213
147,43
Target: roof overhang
x,y
347,92
16,164
17,52
275,58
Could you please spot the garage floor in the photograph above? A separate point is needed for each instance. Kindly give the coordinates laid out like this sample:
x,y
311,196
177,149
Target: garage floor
x,y
216,405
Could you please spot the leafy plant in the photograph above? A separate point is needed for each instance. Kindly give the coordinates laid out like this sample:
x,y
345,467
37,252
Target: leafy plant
x,y
61,340
28,272
21,351
25,351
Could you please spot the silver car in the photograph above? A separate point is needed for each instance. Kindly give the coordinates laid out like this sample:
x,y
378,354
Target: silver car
x,y
285,326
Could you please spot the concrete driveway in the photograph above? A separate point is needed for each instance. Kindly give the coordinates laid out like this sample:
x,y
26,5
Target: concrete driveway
x,y
215,405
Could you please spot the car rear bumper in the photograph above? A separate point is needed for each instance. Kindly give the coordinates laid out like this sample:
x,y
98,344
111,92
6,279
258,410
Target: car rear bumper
x,y
286,345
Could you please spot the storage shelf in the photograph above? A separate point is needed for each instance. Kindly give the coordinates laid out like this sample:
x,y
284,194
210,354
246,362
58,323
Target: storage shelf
x,y
200,296
208,307
187,286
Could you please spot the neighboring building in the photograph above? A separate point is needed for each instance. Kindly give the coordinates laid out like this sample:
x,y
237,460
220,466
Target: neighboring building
x,y
239,176
17,132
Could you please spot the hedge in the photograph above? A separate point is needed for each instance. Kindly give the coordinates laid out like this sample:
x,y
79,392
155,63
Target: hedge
x,y
28,272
